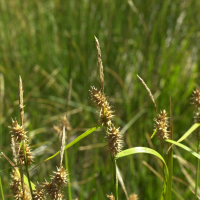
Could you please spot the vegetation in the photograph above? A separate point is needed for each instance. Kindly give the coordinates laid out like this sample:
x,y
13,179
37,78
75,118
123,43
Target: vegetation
x,y
50,42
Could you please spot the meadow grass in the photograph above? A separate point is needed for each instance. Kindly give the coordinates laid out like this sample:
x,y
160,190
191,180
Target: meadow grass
x,y
50,42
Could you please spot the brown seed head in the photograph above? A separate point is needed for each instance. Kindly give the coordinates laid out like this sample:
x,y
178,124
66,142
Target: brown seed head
x,y
29,157
133,197
114,140
106,114
17,131
60,177
16,184
161,125
52,191
38,194
111,197
196,98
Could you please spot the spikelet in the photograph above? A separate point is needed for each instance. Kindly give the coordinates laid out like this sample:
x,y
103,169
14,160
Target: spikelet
x,y
103,105
16,184
52,191
27,193
111,197
161,125
29,157
114,140
38,194
133,197
60,177
196,98
17,131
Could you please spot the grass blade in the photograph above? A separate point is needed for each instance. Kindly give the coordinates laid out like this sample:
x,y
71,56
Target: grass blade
x,y
2,195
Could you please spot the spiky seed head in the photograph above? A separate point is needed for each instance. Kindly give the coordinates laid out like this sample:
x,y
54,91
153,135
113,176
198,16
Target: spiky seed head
x,y
16,184
60,177
106,114
38,194
17,131
133,197
114,140
52,191
161,124
29,157
196,98
65,123
111,197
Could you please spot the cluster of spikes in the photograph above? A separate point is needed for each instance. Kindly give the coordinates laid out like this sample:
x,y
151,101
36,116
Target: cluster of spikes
x,y
114,137
196,101
131,197
161,125
53,189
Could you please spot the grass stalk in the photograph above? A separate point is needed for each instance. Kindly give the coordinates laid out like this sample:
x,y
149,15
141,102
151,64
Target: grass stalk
x,y
68,176
197,173
27,172
1,187
115,177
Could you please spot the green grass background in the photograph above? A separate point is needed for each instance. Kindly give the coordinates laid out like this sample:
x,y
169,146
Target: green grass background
x,y
49,42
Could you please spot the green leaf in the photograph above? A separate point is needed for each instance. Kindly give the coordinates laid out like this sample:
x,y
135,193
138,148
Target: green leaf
x,y
195,126
153,133
184,147
88,132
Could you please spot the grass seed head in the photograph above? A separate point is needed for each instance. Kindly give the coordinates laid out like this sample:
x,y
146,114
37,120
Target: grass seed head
x,y
111,197
16,184
114,140
29,157
38,194
133,197
196,98
161,125
17,131
60,177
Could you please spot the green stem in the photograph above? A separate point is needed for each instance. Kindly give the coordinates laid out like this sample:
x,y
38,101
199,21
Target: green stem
x,y
115,177
197,174
68,176
27,172
1,189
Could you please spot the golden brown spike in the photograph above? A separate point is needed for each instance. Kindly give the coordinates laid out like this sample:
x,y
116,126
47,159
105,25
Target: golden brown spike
x,y
38,194
111,197
196,98
150,94
60,177
114,140
100,64
133,197
21,106
16,184
161,125
29,157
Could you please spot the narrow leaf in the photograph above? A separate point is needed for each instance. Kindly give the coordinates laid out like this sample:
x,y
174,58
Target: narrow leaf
x,y
184,147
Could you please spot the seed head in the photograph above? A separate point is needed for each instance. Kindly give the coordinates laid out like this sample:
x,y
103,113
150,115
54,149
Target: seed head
x,y
111,197
29,157
60,177
161,125
133,197
196,98
38,194
17,131
114,140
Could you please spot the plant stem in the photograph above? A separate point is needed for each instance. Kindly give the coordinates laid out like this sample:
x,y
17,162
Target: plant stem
x,y
197,174
115,177
68,176
1,189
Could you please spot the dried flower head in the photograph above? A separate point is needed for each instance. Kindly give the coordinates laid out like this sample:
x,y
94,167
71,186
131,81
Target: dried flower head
x,y
29,157
111,197
17,131
133,197
38,194
16,184
60,177
196,98
52,191
161,125
105,109
114,140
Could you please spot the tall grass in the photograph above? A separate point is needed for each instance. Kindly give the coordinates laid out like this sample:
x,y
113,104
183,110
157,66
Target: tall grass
x,y
49,42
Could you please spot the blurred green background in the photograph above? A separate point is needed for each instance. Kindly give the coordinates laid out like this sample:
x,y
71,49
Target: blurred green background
x,y
50,42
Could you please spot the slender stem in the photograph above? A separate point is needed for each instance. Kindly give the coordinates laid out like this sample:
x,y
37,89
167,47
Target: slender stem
x,y
27,172
115,177
197,174
68,176
2,195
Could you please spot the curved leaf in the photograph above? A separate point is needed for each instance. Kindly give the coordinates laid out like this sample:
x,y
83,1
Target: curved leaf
x,y
184,147
195,126
88,132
